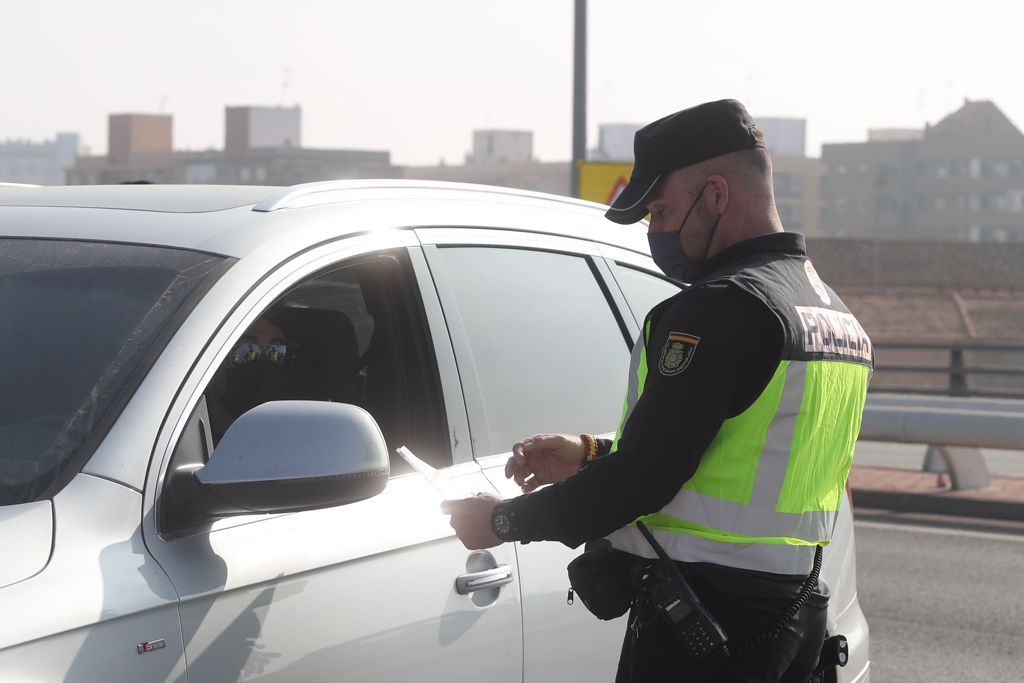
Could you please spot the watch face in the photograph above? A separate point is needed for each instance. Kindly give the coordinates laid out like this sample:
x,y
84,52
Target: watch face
x,y
501,523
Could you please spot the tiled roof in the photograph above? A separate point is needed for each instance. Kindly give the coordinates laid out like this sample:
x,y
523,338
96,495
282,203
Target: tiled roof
x,y
906,314
926,315
978,118
996,317
936,316
919,263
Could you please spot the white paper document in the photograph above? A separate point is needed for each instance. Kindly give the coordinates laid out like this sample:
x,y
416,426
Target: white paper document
x,y
439,480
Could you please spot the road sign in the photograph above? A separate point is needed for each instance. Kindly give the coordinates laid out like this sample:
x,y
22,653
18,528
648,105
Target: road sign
x,y
602,181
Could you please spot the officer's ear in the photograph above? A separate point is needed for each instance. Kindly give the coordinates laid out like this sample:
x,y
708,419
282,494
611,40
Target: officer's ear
x,y
716,196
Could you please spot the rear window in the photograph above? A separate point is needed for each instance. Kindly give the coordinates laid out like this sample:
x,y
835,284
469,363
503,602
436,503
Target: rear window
x,y
82,322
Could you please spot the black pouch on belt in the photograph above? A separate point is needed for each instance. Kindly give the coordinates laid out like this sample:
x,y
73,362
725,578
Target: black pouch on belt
x,y
601,578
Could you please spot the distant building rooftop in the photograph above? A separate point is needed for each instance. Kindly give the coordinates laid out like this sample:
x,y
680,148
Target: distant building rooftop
x,y
894,134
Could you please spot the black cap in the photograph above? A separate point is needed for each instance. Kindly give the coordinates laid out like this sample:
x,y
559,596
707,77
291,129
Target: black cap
x,y
681,139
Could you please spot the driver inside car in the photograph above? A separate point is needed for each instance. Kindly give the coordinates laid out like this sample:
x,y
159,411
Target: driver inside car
x,y
255,371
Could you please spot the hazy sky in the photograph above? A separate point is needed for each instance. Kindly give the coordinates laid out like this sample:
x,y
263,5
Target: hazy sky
x,y
416,77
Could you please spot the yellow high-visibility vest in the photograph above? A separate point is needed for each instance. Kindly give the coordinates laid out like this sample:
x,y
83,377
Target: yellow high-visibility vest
x,y
769,487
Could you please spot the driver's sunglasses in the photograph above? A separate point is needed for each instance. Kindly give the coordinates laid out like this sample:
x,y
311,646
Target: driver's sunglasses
x,y
249,352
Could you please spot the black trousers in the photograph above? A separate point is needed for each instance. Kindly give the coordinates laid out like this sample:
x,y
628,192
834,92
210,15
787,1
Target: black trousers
x,y
743,612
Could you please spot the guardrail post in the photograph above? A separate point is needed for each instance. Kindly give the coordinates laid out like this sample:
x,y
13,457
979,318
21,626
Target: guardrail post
x,y
957,376
966,466
933,461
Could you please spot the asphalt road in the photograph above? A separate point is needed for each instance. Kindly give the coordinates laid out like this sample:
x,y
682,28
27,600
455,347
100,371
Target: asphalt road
x,y
944,597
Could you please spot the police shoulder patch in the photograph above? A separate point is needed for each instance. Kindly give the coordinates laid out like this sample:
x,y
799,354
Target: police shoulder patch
x,y
677,353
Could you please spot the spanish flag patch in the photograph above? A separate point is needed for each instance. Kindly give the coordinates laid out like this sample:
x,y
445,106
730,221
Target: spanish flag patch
x,y
677,353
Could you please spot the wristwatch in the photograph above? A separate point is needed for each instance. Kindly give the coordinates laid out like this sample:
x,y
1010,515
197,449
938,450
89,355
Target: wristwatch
x,y
503,523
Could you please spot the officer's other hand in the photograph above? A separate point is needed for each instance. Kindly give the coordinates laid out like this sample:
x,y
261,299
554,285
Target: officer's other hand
x,y
544,459
471,519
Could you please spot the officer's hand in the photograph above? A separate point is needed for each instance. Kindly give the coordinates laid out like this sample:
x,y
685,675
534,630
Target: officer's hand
x,y
471,519
544,459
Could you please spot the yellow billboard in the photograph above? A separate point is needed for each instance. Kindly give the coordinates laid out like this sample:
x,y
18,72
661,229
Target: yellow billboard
x,y
602,181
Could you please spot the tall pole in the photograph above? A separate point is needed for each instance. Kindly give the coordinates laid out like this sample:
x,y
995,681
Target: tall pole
x,y
579,95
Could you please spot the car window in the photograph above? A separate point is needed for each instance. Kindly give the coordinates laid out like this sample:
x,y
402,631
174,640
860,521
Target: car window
x,y
546,350
643,290
82,322
352,334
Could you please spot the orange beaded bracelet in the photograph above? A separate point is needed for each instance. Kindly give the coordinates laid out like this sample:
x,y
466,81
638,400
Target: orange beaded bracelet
x,y
589,448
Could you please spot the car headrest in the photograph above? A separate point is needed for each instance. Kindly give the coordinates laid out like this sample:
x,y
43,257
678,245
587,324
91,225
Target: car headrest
x,y
326,359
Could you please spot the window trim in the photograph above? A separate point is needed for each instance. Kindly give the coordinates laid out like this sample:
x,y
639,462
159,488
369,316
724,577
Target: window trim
x,y
631,259
459,436
640,316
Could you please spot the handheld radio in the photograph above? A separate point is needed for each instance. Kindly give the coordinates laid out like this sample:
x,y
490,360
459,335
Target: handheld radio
x,y
693,625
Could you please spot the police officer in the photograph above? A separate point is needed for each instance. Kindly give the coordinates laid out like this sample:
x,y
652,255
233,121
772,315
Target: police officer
x,y
743,405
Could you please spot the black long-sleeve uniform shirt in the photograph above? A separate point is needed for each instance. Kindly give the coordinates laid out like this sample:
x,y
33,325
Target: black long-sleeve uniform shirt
x,y
677,416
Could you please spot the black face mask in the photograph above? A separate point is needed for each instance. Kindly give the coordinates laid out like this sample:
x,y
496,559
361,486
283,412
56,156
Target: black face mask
x,y
668,255
254,384
667,252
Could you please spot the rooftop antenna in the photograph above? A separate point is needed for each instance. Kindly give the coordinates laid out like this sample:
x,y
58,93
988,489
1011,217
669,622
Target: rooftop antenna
x,y
286,78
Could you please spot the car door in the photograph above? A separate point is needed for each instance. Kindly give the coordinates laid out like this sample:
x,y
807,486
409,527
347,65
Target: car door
x,y
541,346
366,591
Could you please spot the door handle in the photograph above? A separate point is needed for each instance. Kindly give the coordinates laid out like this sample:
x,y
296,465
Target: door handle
x,y
489,578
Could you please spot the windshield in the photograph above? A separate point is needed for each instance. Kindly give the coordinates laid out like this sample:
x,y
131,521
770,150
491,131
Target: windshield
x,y
81,324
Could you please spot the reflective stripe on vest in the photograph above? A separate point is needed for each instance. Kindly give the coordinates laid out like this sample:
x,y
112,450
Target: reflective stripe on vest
x,y
769,487
637,379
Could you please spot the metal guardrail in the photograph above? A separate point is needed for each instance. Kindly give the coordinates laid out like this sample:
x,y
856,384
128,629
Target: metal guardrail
x,y
971,369
955,428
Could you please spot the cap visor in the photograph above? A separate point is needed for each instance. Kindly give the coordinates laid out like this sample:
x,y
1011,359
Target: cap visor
x,y
631,204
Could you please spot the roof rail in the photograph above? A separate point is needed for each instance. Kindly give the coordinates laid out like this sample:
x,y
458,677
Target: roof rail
x,y
285,197
18,185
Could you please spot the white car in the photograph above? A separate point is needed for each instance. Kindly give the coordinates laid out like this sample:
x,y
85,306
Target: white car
x,y
145,540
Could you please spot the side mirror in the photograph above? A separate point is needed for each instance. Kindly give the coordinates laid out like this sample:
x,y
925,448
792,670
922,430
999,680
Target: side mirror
x,y
282,456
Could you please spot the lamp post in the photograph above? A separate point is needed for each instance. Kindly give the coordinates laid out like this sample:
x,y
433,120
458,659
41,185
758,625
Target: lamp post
x,y
579,95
